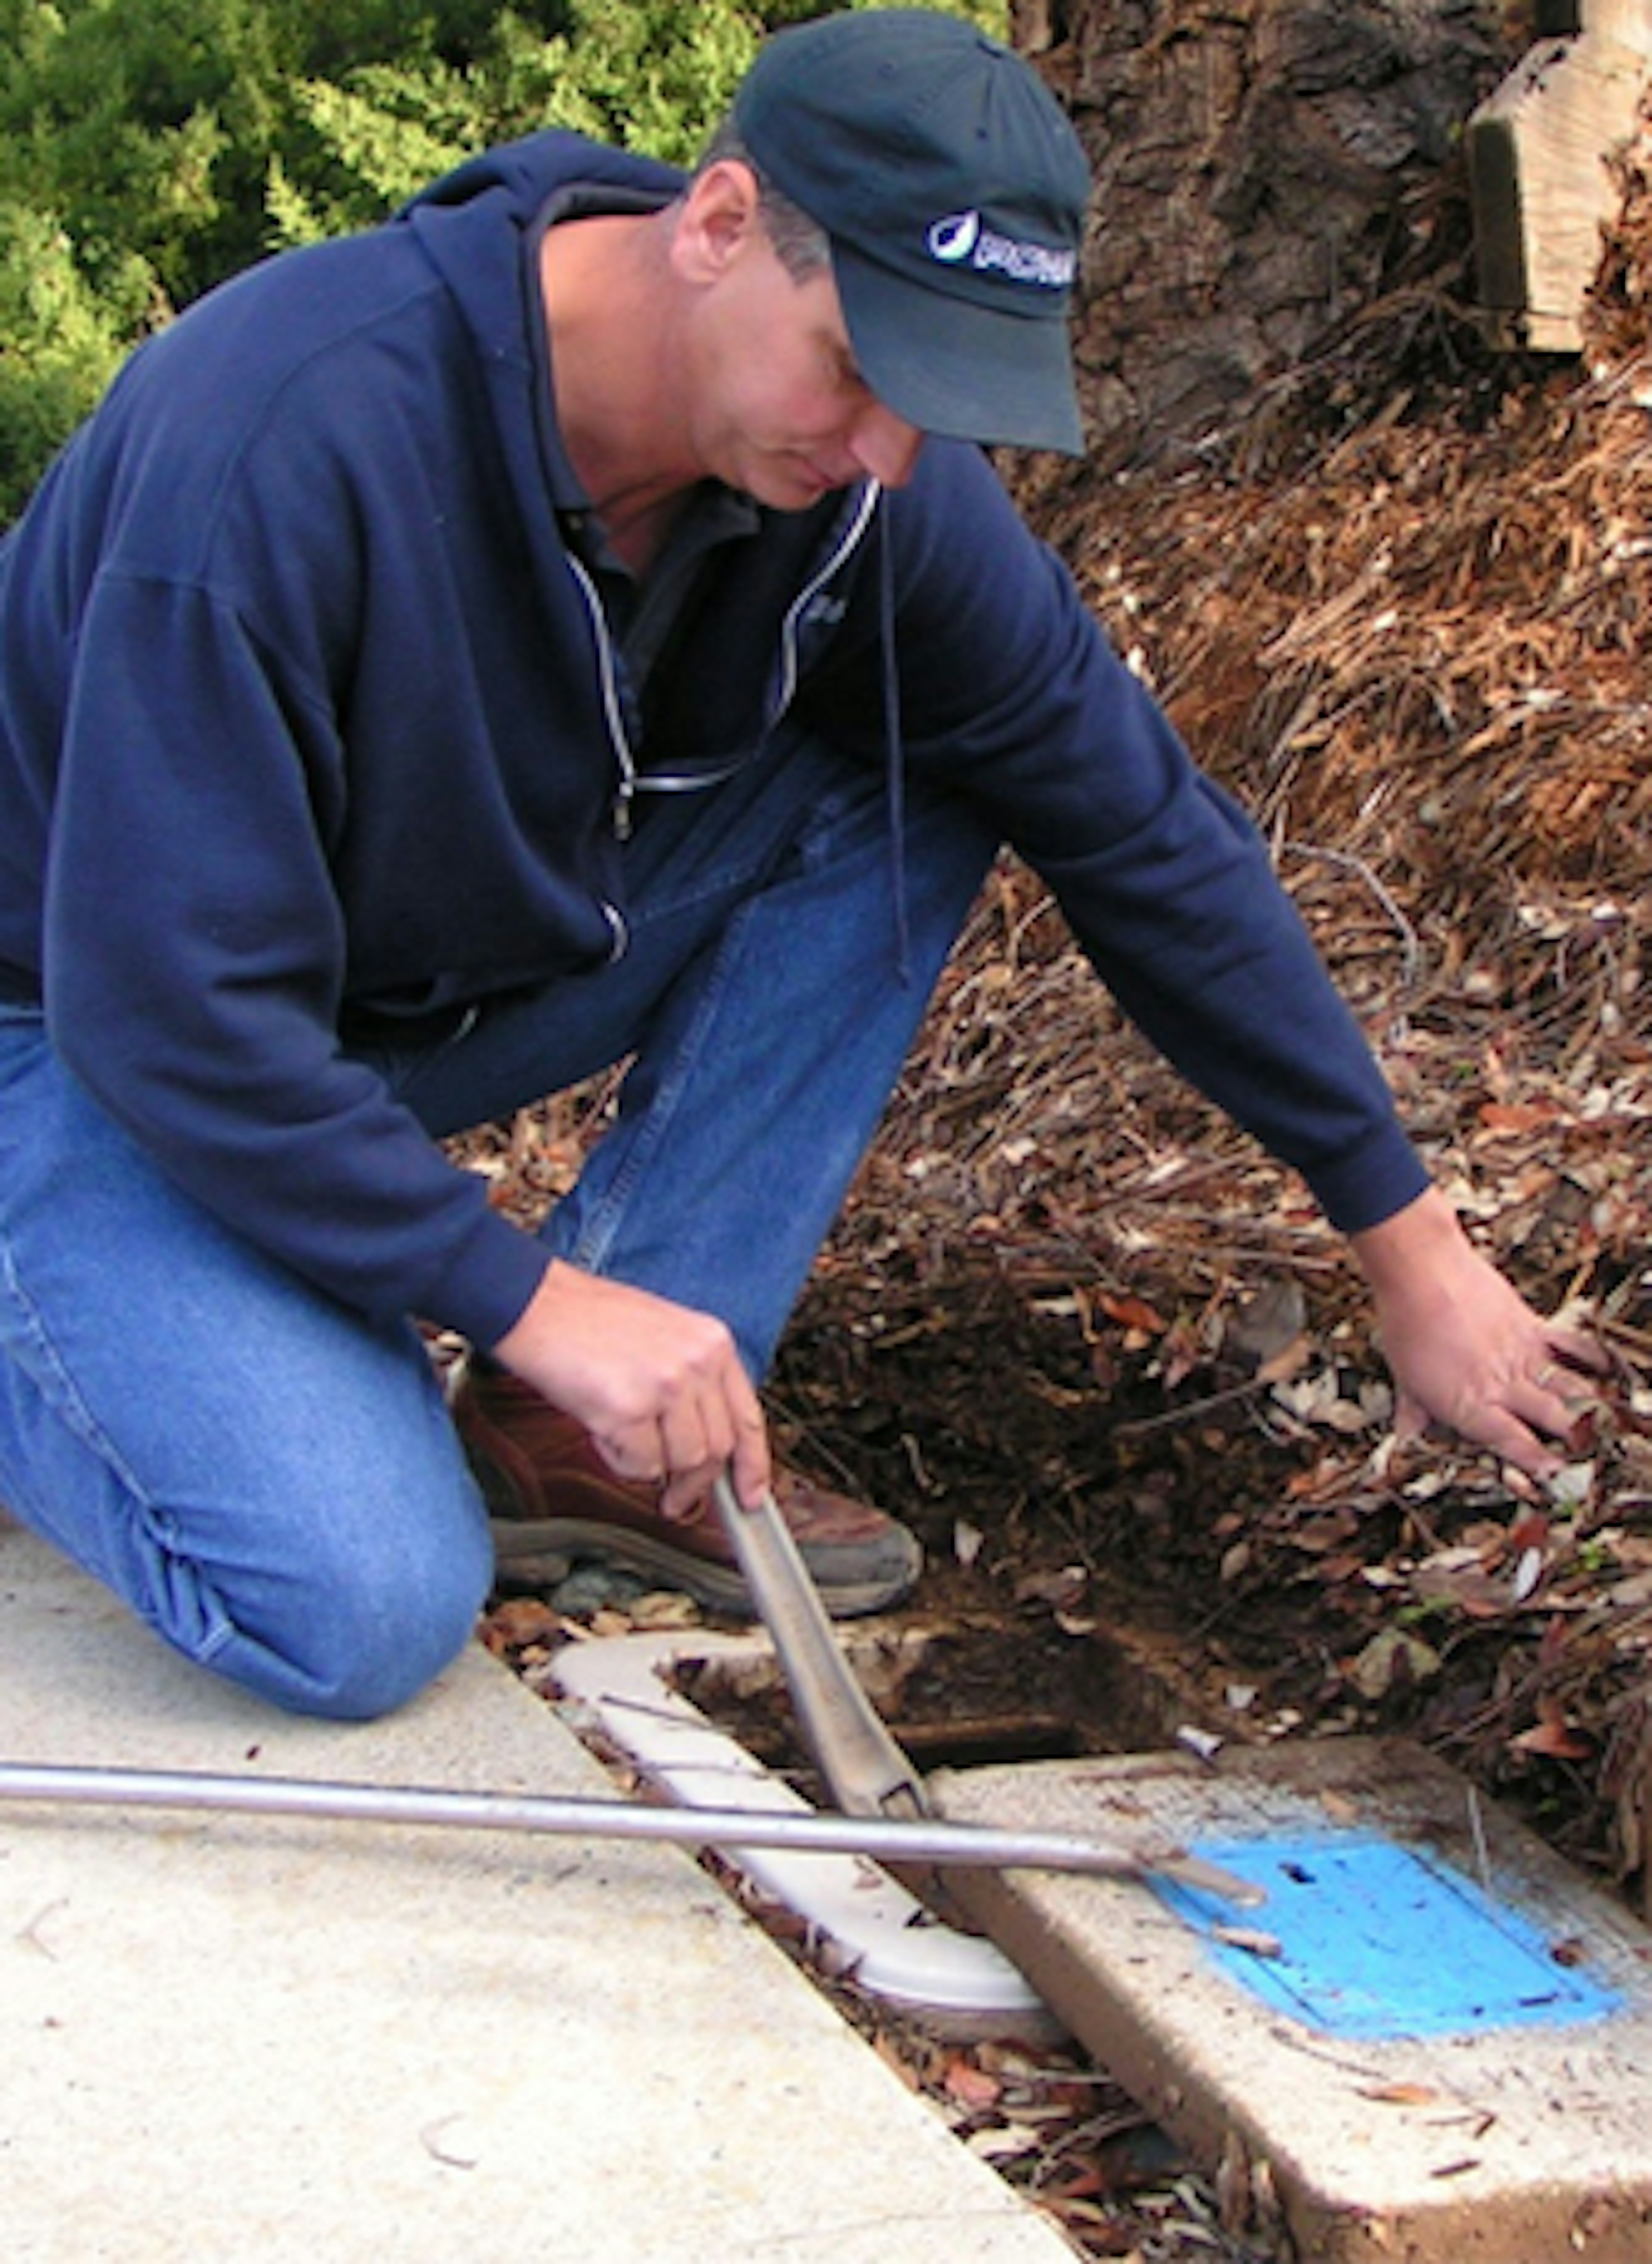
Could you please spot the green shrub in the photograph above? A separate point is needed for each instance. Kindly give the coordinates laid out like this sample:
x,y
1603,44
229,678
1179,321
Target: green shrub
x,y
150,147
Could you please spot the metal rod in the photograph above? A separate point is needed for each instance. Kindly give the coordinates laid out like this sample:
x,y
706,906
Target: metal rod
x,y
924,1840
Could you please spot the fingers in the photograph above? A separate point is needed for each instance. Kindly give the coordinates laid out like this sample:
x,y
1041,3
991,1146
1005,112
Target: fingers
x,y
1549,1401
685,1477
1531,1416
660,1387
1569,1348
722,1426
695,1436
1411,1418
1523,1442
1560,1389
705,1418
750,1462
684,1487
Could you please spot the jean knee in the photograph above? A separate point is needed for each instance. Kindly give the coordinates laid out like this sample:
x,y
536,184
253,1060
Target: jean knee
x,y
359,1631
403,1635
395,1650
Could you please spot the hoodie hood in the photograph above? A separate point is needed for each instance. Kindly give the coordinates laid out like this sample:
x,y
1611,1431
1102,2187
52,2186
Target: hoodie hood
x,y
524,173
458,218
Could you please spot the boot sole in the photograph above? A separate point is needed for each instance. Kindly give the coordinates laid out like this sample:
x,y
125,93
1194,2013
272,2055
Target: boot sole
x,y
518,1541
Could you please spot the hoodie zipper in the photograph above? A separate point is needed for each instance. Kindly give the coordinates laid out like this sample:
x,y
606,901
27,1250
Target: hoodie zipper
x,y
626,793
849,541
630,783
844,544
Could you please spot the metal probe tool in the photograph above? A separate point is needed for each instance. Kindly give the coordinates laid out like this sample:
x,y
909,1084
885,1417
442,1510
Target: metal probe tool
x,y
866,1770
924,1839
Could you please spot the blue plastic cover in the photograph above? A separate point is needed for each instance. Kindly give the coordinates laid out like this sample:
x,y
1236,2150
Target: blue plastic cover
x,y
1379,1939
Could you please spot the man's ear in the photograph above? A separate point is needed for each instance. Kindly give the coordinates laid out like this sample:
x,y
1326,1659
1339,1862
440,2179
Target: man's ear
x,y
719,219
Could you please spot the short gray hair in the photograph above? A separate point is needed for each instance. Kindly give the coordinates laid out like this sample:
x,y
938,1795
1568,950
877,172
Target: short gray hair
x,y
801,244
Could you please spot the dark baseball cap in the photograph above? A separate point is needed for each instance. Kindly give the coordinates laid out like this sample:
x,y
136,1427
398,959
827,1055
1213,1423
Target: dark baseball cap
x,y
951,189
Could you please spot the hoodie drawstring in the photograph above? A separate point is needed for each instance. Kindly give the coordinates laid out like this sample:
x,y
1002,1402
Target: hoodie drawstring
x,y
895,762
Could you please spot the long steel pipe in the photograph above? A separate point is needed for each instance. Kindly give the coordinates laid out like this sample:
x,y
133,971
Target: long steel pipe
x,y
889,1841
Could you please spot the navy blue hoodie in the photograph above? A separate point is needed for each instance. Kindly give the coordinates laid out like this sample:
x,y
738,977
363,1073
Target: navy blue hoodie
x,y
309,724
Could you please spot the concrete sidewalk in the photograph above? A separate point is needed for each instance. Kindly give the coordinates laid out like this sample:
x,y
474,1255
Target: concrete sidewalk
x,y
223,2035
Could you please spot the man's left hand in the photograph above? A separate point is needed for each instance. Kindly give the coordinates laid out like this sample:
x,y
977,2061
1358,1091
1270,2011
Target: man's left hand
x,y
1465,1348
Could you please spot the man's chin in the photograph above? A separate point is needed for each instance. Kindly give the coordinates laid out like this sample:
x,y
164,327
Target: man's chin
x,y
791,485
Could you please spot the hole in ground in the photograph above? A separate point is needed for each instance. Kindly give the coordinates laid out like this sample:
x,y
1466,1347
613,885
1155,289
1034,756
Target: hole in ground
x,y
968,1691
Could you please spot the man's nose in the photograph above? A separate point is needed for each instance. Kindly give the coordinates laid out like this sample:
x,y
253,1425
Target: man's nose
x,y
884,444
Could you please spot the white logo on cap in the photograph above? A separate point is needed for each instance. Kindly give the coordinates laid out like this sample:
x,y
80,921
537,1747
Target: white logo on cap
x,y
954,238
961,240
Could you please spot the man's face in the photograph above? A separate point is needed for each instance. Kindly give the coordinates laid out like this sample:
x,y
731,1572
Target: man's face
x,y
778,407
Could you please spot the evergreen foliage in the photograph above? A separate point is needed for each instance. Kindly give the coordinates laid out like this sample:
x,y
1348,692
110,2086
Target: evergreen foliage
x,y
150,147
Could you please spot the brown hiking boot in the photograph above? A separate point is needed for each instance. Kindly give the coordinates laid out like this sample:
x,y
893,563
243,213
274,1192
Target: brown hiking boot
x,y
552,1498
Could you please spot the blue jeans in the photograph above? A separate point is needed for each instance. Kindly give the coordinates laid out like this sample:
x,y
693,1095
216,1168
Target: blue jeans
x,y
272,1482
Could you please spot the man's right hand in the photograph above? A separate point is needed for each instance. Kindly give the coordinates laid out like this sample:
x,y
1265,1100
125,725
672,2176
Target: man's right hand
x,y
660,1387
